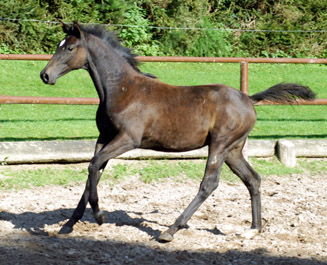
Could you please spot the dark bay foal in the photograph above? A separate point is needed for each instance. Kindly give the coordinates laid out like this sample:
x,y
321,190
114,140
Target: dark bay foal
x,y
138,111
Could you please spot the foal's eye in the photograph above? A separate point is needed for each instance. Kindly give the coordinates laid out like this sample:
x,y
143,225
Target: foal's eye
x,y
70,49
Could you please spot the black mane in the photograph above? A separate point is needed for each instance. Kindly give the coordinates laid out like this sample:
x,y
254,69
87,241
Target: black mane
x,y
112,41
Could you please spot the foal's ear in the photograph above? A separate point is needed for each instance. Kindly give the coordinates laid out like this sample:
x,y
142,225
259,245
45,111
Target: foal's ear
x,y
64,26
76,30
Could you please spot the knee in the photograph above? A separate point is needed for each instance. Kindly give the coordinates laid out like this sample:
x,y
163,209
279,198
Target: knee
x,y
257,181
208,186
92,168
254,185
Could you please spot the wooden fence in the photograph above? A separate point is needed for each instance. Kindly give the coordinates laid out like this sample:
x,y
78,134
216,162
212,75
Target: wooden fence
x,y
244,62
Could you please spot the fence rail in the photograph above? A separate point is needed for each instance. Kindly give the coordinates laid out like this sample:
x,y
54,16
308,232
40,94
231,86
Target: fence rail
x,y
244,61
48,100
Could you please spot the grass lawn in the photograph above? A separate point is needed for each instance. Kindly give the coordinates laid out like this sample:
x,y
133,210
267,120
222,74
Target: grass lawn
x,y
148,171
50,122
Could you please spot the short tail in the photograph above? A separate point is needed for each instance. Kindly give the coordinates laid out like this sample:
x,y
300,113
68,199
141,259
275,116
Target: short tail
x,y
284,93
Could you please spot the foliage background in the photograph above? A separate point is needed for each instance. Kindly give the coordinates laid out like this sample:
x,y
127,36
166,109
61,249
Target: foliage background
x,y
284,28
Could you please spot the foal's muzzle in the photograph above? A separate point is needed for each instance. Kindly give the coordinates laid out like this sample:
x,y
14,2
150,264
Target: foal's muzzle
x,y
45,78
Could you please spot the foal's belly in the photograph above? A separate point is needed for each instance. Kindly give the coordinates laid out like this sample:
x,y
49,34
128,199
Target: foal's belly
x,y
156,146
175,141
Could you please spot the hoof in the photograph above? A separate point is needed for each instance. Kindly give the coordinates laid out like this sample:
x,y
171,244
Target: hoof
x,y
252,233
65,230
166,237
99,217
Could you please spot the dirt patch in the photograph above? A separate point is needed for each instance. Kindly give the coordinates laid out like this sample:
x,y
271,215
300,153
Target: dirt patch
x,y
294,207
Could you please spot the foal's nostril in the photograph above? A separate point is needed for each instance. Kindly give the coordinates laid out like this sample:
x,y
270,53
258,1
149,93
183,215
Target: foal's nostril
x,y
45,77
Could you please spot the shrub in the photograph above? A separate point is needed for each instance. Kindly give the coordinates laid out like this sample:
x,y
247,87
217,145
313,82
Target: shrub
x,y
272,17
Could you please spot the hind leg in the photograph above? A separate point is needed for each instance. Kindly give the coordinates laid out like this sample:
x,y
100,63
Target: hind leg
x,y
208,185
237,163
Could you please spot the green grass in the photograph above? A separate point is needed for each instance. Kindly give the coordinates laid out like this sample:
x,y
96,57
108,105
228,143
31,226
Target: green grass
x,y
154,170
149,171
26,179
50,122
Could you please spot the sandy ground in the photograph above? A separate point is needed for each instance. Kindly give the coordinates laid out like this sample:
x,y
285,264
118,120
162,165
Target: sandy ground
x,y
294,209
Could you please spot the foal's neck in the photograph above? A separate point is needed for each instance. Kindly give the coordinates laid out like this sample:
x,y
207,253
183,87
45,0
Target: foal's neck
x,y
106,68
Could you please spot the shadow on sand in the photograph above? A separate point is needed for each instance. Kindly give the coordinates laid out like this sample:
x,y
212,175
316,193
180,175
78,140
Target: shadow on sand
x,y
35,246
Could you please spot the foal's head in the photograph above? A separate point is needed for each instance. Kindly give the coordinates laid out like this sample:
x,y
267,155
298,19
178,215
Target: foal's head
x,y
72,52
70,55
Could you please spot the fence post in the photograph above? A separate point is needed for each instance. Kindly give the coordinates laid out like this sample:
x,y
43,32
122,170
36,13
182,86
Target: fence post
x,y
245,90
244,77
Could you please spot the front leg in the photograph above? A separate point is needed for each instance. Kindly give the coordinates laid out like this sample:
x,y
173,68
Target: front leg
x,y
80,209
119,145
